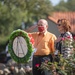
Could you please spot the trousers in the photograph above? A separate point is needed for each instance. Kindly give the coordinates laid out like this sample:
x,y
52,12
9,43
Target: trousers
x,y
37,61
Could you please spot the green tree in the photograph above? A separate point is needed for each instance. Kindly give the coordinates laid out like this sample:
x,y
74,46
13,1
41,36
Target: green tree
x,y
34,9
9,20
13,12
61,6
71,5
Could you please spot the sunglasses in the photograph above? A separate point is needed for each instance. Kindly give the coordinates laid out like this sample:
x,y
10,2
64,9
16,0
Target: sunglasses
x,y
58,24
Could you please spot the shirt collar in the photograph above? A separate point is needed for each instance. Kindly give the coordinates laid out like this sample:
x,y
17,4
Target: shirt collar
x,y
44,33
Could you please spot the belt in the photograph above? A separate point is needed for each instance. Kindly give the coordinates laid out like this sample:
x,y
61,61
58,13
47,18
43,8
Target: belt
x,y
41,55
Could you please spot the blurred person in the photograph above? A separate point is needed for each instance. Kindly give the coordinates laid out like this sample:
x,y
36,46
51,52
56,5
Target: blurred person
x,y
64,28
73,31
44,46
8,57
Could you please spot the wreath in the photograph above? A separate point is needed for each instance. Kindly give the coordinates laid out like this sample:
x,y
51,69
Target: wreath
x,y
20,33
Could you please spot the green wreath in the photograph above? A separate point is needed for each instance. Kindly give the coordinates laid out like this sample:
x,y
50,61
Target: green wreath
x,y
23,34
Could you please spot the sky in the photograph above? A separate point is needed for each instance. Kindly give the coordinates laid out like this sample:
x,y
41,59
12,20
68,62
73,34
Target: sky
x,y
55,1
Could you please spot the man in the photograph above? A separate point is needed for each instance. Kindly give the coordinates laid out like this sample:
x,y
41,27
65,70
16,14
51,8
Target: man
x,y
44,46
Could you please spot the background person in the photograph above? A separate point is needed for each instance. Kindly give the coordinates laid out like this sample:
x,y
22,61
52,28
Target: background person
x,y
73,32
8,57
44,46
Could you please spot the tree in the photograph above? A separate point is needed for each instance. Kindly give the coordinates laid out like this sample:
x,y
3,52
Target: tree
x,y
61,6
13,12
65,6
71,5
9,20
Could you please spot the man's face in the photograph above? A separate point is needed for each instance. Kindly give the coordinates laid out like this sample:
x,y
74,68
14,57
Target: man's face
x,y
42,26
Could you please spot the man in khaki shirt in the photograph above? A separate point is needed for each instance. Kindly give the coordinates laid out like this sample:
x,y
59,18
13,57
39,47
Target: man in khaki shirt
x,y
44,45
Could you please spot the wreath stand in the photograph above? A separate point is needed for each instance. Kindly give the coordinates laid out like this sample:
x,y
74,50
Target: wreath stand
x,y
20,47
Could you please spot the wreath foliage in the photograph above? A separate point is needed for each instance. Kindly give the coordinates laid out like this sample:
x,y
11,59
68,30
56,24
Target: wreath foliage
x,y
23,34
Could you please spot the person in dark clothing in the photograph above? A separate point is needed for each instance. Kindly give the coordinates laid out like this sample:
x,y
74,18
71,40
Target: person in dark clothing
x,y
73,35
8,57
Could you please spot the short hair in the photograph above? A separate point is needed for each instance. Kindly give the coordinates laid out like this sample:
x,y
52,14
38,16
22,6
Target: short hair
x,y
44,21
65,23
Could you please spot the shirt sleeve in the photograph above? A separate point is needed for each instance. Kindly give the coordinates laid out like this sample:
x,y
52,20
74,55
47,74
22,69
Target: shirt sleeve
x,y
33,34
52,40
